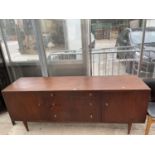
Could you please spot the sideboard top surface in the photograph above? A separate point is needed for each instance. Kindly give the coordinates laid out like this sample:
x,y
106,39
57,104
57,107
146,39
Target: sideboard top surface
x,y
77,83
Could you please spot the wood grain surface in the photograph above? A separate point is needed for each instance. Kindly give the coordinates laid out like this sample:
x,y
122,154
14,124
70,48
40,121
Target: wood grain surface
x,y
77,83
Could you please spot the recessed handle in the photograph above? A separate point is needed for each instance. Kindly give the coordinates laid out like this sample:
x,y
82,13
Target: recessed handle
x,y
55,116
90,94
91,116
53,104
39,104
90,104
51,94
106,104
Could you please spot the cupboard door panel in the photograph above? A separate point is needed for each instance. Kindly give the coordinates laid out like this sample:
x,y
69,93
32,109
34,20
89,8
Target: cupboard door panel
x,y
139,109
123,107
23,106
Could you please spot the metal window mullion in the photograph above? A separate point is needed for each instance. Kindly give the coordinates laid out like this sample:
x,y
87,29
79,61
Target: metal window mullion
x,y
65,30
40,47
89,48
142,48
85,36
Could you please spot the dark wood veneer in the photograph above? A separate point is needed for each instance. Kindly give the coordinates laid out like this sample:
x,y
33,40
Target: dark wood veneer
x,y
113,99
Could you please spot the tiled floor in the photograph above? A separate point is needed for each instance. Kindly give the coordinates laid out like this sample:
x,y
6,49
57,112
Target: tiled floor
x,y
6,128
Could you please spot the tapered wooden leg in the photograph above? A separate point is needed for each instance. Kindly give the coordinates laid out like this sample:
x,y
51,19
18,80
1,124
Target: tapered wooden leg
x,y
26,125
148,125
13,122
129,127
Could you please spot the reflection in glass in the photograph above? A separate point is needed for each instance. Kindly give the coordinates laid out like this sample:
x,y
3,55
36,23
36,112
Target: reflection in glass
x,y
22,47
136,36
63,46
114,50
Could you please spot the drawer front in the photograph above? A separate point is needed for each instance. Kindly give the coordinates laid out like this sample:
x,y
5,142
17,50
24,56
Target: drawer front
x,y
38,106
60,107
123,107
54,106
75,107
85,107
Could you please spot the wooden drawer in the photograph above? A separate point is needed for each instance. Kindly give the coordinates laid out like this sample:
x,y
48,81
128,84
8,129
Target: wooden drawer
x,y
60,107
54,106
75,107
71,106
116,107
39,106
85,107
85,94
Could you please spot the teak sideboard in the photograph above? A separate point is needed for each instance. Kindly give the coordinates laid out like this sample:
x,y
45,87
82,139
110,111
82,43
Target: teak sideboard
x,y
111,99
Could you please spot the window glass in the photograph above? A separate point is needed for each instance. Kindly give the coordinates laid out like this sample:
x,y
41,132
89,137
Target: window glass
x,y
137,36
126,36
63,46
113,52
21,44
147,68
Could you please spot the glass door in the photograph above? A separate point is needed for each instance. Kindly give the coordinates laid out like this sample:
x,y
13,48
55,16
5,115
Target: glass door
x,y
19,48
115,45
147,62
62,41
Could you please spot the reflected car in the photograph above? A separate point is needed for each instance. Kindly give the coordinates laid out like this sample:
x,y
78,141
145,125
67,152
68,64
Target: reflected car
x,y
129,41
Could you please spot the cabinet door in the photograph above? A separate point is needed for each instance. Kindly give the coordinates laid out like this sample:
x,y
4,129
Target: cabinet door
x,y
123,107
23,106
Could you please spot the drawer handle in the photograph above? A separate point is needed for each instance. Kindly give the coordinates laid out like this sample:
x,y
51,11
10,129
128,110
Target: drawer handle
x,y
90,94
51,94
106,104
53,104
39,104
55,115
91,116
90,104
